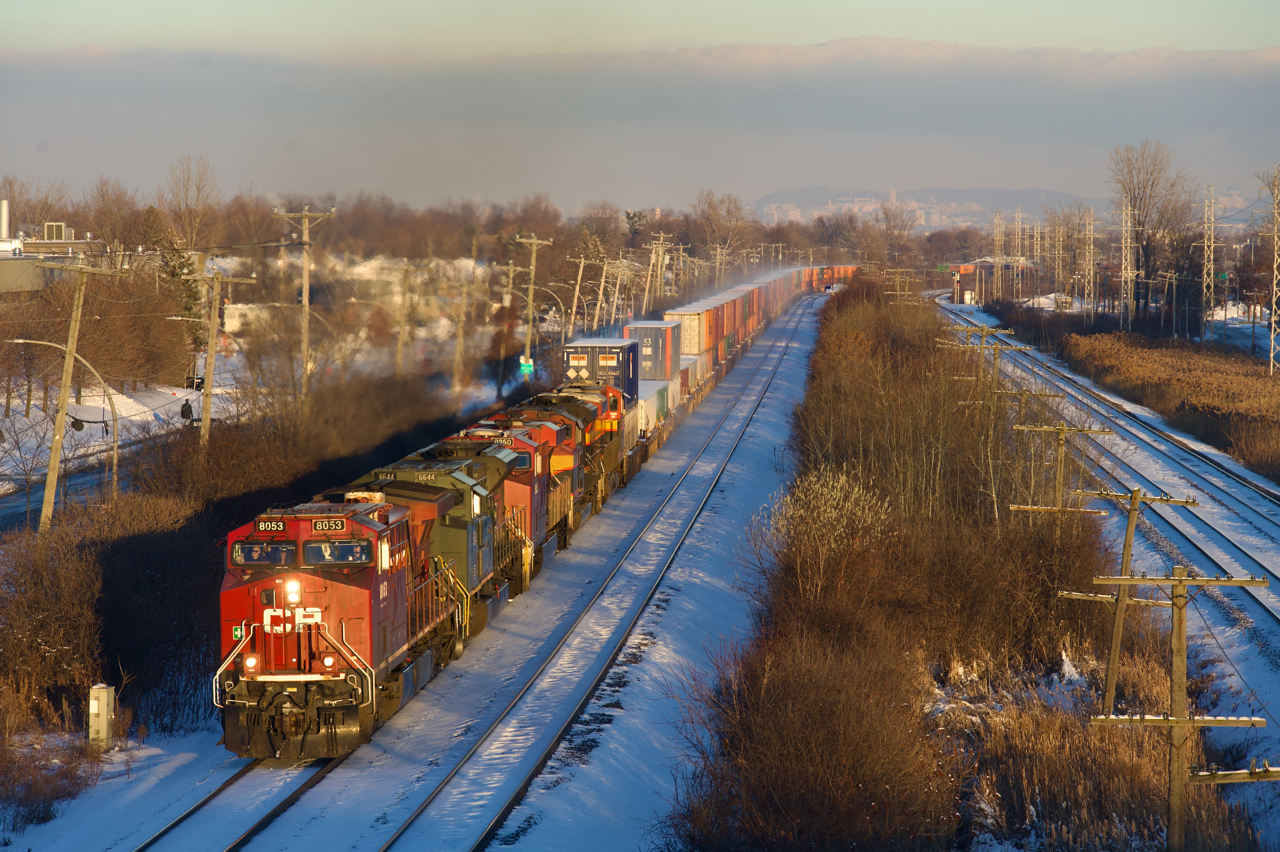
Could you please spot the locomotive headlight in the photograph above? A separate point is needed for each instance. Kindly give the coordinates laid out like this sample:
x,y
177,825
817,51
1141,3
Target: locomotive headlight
x,y
250,662
328,662
291,589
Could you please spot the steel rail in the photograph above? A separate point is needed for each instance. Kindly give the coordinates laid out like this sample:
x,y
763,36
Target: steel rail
x,y
241,773
495,822
286,803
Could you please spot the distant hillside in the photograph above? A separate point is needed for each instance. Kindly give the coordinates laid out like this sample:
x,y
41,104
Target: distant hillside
x,y
1032,201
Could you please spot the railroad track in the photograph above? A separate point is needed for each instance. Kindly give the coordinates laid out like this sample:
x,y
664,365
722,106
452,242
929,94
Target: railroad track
x,y
468,805
550,730
1236,528
171,835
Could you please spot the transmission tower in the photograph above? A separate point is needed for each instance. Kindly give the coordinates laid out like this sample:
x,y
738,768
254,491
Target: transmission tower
x,y
1059,289
1090,261
1017,252
1037,250
997,270
1206,278
1275,261
1127,272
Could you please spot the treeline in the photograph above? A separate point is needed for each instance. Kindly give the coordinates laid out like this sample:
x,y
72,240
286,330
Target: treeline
x,y
906,623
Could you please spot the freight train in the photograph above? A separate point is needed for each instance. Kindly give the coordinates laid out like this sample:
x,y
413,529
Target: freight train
x,y
335,612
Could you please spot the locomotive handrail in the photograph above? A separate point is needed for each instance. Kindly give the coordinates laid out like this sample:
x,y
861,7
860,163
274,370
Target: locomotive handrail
x,y
236,650
356,660
462,593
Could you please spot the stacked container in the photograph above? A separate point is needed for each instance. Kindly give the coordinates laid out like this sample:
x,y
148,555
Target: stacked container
x,y
660,348
607,361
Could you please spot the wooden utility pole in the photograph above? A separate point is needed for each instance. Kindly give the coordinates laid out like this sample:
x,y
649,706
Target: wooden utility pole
x,y
303,220
64,389
401,338
604,276
1062,430
1179,721
1121,599
211,344
532,241
656,255
577,288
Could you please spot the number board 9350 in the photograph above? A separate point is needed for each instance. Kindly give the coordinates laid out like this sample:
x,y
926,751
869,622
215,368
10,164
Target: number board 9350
x,y
270,526
328,525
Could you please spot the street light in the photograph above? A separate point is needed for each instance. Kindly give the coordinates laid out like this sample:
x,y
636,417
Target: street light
x,y
115,423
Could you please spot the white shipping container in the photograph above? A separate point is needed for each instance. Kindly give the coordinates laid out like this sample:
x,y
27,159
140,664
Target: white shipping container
x,y
631,427
691,361
653,399
675,394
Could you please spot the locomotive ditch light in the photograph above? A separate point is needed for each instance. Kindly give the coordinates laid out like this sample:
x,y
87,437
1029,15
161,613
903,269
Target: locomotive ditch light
x,y
250,662
328,662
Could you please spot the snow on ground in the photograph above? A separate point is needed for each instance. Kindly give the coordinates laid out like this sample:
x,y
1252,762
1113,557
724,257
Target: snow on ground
x,y
612,776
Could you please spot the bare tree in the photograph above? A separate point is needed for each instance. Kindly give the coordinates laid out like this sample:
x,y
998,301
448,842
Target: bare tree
x,y
110,211
189,196
896,222
1160,195
722,221
31,204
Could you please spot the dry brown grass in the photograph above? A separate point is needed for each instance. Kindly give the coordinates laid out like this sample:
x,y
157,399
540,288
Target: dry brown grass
x,y
1220,395
38,775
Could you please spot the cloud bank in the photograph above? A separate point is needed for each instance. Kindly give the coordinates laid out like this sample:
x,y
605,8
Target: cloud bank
x,y
641,128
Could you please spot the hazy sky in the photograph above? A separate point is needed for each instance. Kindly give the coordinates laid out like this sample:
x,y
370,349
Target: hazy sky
x,y
639,103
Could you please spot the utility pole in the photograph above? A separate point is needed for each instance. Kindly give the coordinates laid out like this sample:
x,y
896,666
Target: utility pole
x,y
1206,277
656,255
1178,720
720,251
604,276
64,389
1060,484
401,338
1121,599
577,287
532,241
211,344
303,220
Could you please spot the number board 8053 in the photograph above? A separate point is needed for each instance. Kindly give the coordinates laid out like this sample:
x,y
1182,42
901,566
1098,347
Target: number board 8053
x,y
328,525
270,526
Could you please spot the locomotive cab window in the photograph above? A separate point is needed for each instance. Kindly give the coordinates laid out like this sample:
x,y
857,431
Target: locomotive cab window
x,y
522,461
356,552
262,553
